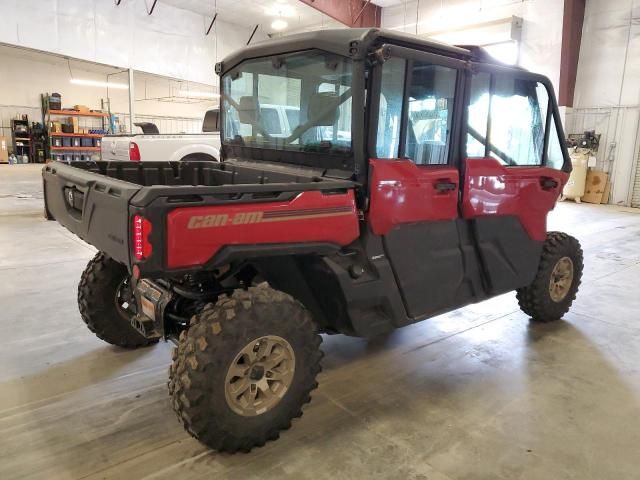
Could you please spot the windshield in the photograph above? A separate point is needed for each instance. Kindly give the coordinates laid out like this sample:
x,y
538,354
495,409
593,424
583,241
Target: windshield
x,y
298,102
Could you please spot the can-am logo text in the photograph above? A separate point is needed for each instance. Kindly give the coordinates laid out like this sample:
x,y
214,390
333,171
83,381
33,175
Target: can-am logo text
x,y
223,219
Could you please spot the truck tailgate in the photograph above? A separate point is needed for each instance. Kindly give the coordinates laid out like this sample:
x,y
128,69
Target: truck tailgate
x,y
93,206
115,147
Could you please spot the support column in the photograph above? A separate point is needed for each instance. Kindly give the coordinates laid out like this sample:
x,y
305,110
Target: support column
x,y
572,20
352,13
132,101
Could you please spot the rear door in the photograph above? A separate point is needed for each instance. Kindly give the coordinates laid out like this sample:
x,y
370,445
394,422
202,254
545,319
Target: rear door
x,y
414,179
516,164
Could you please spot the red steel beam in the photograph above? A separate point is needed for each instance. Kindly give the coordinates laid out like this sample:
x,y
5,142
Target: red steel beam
x,y
352,13
572,20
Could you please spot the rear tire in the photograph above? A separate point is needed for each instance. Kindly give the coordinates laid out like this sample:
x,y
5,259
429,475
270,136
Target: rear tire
x,y
554,288
251,342
98,290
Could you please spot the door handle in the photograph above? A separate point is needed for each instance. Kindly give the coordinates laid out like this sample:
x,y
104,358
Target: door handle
x,y
443,186
548,183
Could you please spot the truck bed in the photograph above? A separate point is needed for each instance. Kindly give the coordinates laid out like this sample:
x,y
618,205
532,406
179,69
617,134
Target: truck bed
x,y
97,201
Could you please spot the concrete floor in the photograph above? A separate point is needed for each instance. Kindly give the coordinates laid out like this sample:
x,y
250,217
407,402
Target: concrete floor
x,y
475,394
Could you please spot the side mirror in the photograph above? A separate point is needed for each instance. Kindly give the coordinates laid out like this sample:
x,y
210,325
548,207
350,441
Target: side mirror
x,y
323,109
248,111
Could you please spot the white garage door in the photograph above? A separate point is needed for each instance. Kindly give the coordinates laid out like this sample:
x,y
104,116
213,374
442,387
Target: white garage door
x,y
635,197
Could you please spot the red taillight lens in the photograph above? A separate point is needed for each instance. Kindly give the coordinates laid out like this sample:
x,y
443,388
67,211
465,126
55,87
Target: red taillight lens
x,y
142,247
134,152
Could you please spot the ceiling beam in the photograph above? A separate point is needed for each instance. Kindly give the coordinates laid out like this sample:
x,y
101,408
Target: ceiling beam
x,y
352,13
572,20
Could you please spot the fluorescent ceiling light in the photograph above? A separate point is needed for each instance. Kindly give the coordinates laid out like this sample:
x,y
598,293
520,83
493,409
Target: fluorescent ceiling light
x,y
97,83
197,94
279,24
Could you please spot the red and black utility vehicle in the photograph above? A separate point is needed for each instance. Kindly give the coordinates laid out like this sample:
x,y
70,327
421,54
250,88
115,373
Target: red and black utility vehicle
x,y
369,180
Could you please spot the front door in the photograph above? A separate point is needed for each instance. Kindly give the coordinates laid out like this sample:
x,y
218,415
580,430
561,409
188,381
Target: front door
x,y
513,172
414,180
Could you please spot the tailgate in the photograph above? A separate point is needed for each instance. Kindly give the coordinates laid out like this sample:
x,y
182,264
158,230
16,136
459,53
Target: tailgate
x,y
115,148
93,206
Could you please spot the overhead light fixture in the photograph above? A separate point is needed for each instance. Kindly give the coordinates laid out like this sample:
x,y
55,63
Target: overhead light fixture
x,y
197,94
97,83
279,24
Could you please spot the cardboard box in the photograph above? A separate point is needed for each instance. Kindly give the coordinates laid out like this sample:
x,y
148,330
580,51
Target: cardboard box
x,y
4,150
595,187
56,127
81,108
76,124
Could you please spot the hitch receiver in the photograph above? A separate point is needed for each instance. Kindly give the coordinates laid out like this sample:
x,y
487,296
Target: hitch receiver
x,y
151,300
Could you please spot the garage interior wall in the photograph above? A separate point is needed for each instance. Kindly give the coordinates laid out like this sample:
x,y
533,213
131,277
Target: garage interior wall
x,y
541,35
27,74
607,94
171,43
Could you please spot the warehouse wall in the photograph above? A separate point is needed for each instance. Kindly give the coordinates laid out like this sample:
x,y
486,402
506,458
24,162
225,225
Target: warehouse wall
x,y
25,75
170,42
607,95
541,29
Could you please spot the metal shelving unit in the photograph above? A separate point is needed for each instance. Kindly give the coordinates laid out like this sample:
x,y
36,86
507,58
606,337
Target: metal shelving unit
x,y
48,114
20,137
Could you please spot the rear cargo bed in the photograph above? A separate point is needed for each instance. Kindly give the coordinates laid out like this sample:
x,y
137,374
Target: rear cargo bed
x,y
97,200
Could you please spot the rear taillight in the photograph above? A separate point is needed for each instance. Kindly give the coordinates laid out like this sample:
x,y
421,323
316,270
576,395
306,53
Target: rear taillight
x,y
134,152
142,247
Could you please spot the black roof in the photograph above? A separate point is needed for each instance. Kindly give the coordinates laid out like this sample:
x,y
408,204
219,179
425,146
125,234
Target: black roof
x,y
353,42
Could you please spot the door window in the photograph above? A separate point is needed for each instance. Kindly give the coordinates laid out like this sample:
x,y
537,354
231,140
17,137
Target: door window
x,y
478,114
516,136
506,120
391,95
428,111
555,157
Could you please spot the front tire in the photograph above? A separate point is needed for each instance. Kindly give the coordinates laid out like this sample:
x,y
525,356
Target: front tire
x,y
244,369
101,307
554,288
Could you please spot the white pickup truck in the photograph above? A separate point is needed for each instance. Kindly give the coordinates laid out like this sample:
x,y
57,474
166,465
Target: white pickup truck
x,y
153,146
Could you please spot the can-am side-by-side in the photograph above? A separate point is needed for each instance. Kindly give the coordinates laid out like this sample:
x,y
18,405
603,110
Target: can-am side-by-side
x,y
410,178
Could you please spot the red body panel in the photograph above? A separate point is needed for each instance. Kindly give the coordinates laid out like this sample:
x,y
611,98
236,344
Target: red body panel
x,y
402,192
195,234
493,189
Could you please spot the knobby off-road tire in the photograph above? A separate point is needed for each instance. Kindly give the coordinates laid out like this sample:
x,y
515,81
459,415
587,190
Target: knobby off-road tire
x,y
554,288
97,301
199,378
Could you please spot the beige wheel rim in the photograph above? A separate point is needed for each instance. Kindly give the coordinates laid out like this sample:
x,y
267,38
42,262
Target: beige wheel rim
x,y
259,376
561,279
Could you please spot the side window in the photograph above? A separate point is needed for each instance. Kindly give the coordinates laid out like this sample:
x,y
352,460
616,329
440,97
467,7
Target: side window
x,y
555,157
516,135
506,118
478,115
391,94
430,113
